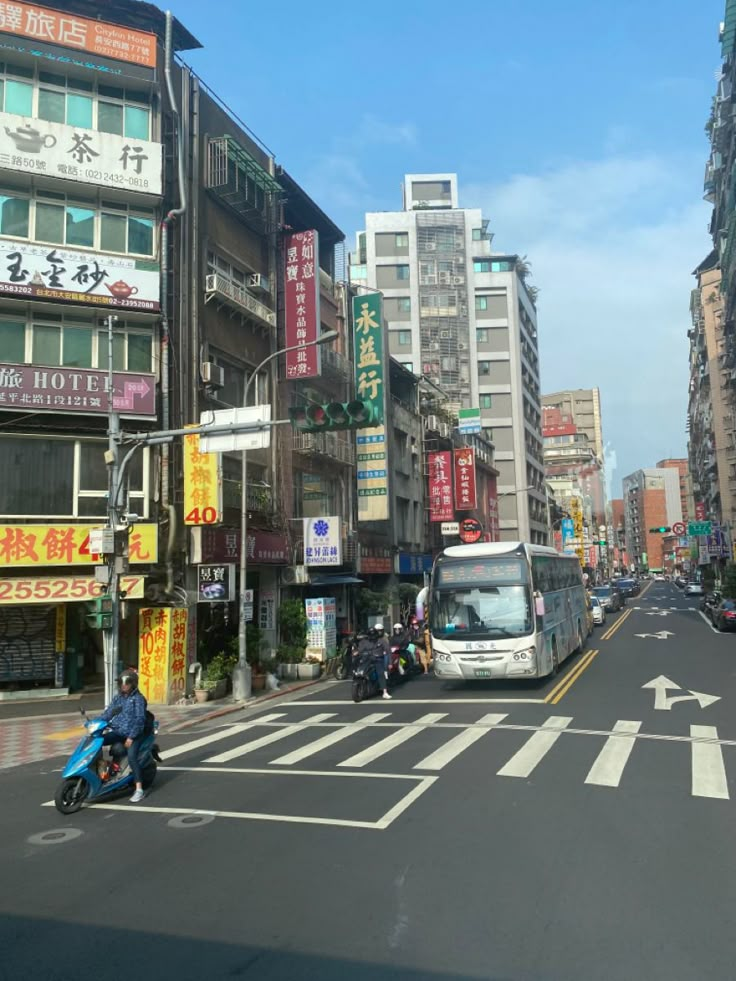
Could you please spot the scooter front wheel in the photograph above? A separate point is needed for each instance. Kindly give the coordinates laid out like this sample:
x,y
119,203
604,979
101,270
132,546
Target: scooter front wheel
x,y
360,689
71,794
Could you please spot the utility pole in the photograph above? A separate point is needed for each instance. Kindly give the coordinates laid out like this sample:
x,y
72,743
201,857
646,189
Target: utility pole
x,y
112,459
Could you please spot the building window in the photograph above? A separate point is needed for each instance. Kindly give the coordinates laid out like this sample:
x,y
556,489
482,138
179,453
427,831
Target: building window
x,y
14,216
481,265
359,272
481,335
486,265
484,367
409,365
486,402
488,433
402,272
477,234
404,304
401,240
404,337
481,303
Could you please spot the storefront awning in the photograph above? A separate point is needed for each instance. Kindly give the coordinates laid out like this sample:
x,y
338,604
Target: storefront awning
x,y
334,580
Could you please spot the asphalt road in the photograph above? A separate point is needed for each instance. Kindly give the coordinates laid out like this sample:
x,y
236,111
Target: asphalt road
x,y
565,830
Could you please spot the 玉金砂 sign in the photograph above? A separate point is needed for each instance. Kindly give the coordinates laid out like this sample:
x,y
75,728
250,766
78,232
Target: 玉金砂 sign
x,y
323,541
35,146
440,486
81,33
50,272
465,492
62,589
202,484
162,654
53,545
35,387
301,304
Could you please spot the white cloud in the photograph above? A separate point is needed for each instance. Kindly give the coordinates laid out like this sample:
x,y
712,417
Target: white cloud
x,y
612,244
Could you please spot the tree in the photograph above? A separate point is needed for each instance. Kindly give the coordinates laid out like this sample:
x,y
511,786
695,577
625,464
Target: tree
x,y
729,581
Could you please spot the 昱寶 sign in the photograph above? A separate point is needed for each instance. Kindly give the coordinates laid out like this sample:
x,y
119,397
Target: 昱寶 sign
x,y
215,583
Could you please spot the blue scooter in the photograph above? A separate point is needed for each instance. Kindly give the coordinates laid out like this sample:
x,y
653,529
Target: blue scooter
x,y
88,776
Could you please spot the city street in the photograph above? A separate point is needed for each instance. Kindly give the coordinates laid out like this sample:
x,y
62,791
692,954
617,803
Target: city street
x,y
580,828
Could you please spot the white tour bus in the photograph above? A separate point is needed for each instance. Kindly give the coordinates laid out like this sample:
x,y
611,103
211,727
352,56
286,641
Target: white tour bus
x,y
505,609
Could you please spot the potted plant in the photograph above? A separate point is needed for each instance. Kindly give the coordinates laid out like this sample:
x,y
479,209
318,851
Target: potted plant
x,y
293,633
310,668
289,658
217,672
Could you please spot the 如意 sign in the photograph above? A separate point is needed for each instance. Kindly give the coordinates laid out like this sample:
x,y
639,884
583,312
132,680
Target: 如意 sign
x,y
301,304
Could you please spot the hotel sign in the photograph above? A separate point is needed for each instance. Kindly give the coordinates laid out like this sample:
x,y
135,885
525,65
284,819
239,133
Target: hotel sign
x,y
27,386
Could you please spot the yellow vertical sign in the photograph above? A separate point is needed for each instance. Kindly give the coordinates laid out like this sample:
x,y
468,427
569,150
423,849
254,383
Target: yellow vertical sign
x,y
60,632
154,650
576,512
202,484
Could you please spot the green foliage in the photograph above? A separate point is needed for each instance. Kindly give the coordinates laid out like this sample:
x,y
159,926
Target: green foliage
x,y
219,668
729,581
709,575
289,653
293,623
371,601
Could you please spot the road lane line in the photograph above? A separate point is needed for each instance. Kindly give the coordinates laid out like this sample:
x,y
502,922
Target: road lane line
x,y
272,737
610,762
391,742
449,700
701,614
709,773
561,684
329,740
583,666
453,747
535,748
172,751
612,630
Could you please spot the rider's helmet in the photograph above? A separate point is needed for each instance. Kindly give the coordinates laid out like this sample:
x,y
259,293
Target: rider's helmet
x,y
398,628
372,633
129,677
379,628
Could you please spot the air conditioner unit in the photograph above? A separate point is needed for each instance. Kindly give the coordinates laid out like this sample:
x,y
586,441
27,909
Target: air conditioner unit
x,y
445,277
430,247
458,280
462,346
447,334
294,575
415,450
432,422
258,281
210,283
212,374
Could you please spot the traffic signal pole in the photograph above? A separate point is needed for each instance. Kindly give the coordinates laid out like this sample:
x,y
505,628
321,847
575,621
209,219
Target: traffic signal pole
x,y
112,459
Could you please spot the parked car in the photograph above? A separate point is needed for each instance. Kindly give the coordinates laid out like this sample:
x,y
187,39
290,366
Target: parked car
x,y
694,589
659,577
680,582
709,601
723,615
610,597
599,613
628,587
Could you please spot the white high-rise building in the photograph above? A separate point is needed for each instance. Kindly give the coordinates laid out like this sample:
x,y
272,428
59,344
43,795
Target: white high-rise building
x,y
463,316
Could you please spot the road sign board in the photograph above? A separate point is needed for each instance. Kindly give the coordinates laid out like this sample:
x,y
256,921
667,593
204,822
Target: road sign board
x,y
699,528
678,528
471,530
468,421
227,442
450,527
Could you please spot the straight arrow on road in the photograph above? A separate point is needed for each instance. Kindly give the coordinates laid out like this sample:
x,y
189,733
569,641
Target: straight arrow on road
x,y
663,701
660,635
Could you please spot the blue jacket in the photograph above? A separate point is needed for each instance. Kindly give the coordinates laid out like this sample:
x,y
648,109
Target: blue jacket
x,y
131,720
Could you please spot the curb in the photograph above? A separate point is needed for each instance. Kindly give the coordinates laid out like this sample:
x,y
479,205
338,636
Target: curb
x,y
240,706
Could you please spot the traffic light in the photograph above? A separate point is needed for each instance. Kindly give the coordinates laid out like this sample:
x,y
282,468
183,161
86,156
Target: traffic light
x,y
100,613
358,414
659,531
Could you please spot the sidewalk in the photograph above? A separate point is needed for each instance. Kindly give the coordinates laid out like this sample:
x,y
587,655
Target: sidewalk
x,y
33,738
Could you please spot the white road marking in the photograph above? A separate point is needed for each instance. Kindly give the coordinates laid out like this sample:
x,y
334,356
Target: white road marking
x,y
329,740
610,762
718,632
171,751
447,701
391,742
709,773
272,737
535,748
445,754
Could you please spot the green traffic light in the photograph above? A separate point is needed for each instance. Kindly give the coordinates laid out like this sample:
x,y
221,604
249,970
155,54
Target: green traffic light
x,y
331,416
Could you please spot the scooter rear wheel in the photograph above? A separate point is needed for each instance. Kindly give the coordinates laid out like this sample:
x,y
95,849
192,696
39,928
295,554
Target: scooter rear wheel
x,y
360,689
71,794
341,671
149,775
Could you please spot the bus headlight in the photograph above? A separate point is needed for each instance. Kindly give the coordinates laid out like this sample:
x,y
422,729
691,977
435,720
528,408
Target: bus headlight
x,y
528,655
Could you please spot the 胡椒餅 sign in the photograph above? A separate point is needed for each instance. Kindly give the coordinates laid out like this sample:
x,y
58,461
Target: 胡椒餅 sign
x,y
301,304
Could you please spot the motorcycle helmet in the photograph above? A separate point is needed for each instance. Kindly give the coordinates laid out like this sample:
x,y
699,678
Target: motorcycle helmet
x,y
372,633
379,628
129,677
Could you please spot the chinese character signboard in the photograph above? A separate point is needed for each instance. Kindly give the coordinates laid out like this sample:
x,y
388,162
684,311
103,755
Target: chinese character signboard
x,y
25,386
323,541
372,474
368,326
494,527
51,545
79,33
567,527
267,610
301,303
577,521
465,492
700,511
55,273
215,583
34,146
223,545
321,625
440,486
202,484
162,654
62,589
468,421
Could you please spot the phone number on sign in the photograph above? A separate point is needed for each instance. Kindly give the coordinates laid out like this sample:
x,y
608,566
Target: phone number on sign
x,y
62,589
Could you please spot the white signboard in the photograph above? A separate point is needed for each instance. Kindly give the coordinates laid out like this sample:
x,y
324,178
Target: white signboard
x,y
267,610
35,146
55,273
259,439
450,527
323,541
321,624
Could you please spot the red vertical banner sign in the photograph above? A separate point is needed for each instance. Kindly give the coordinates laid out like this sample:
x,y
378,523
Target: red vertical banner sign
x,y
440,487
700,511
494,530
466,498
301,303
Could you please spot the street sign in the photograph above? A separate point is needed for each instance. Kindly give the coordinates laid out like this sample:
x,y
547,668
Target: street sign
x,y
229,442
101,541
468,421
471,531
679,528
695,528
450,527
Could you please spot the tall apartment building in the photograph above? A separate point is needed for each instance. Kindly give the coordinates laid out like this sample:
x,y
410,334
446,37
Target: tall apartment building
x,y
463,317
651,500
683,471
583,407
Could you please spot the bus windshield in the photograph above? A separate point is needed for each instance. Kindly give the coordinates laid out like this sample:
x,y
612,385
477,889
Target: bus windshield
x,y
482,611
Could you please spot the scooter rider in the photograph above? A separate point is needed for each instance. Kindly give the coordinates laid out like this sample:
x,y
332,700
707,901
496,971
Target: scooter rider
x,y
126,714
380,649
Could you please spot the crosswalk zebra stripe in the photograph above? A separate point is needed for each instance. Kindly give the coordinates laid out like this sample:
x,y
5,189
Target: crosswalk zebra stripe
x,y
610,762
536,747
445,754
271,737
329,740
391,742
171,752
709,773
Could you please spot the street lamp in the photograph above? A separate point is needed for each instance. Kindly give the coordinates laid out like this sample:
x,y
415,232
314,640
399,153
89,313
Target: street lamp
x,y
241,673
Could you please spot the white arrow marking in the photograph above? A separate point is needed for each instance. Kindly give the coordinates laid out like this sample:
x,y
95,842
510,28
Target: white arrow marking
x,y
658,613
661,635
664,702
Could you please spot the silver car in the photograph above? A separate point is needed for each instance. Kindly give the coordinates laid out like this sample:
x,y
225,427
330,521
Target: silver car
x,y
694,589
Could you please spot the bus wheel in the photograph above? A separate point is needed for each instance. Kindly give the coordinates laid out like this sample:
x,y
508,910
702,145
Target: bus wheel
x,y
555,658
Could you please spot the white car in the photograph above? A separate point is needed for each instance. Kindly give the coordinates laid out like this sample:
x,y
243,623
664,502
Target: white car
x,y
694,589
659,577
599,613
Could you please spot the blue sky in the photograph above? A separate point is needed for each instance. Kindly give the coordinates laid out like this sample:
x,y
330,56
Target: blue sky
x,y
576,126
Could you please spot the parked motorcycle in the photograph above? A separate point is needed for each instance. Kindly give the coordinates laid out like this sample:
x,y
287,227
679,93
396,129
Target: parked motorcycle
x,y
90,776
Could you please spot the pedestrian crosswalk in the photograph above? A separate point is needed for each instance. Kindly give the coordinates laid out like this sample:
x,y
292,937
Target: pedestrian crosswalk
x,y
433,741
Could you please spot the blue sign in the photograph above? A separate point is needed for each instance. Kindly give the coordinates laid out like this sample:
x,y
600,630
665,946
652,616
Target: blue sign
x,y
414,564
568,529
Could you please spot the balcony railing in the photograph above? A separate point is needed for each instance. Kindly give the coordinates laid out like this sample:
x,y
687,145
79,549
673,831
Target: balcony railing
x,y
324,444
258,498
337,363
238,298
